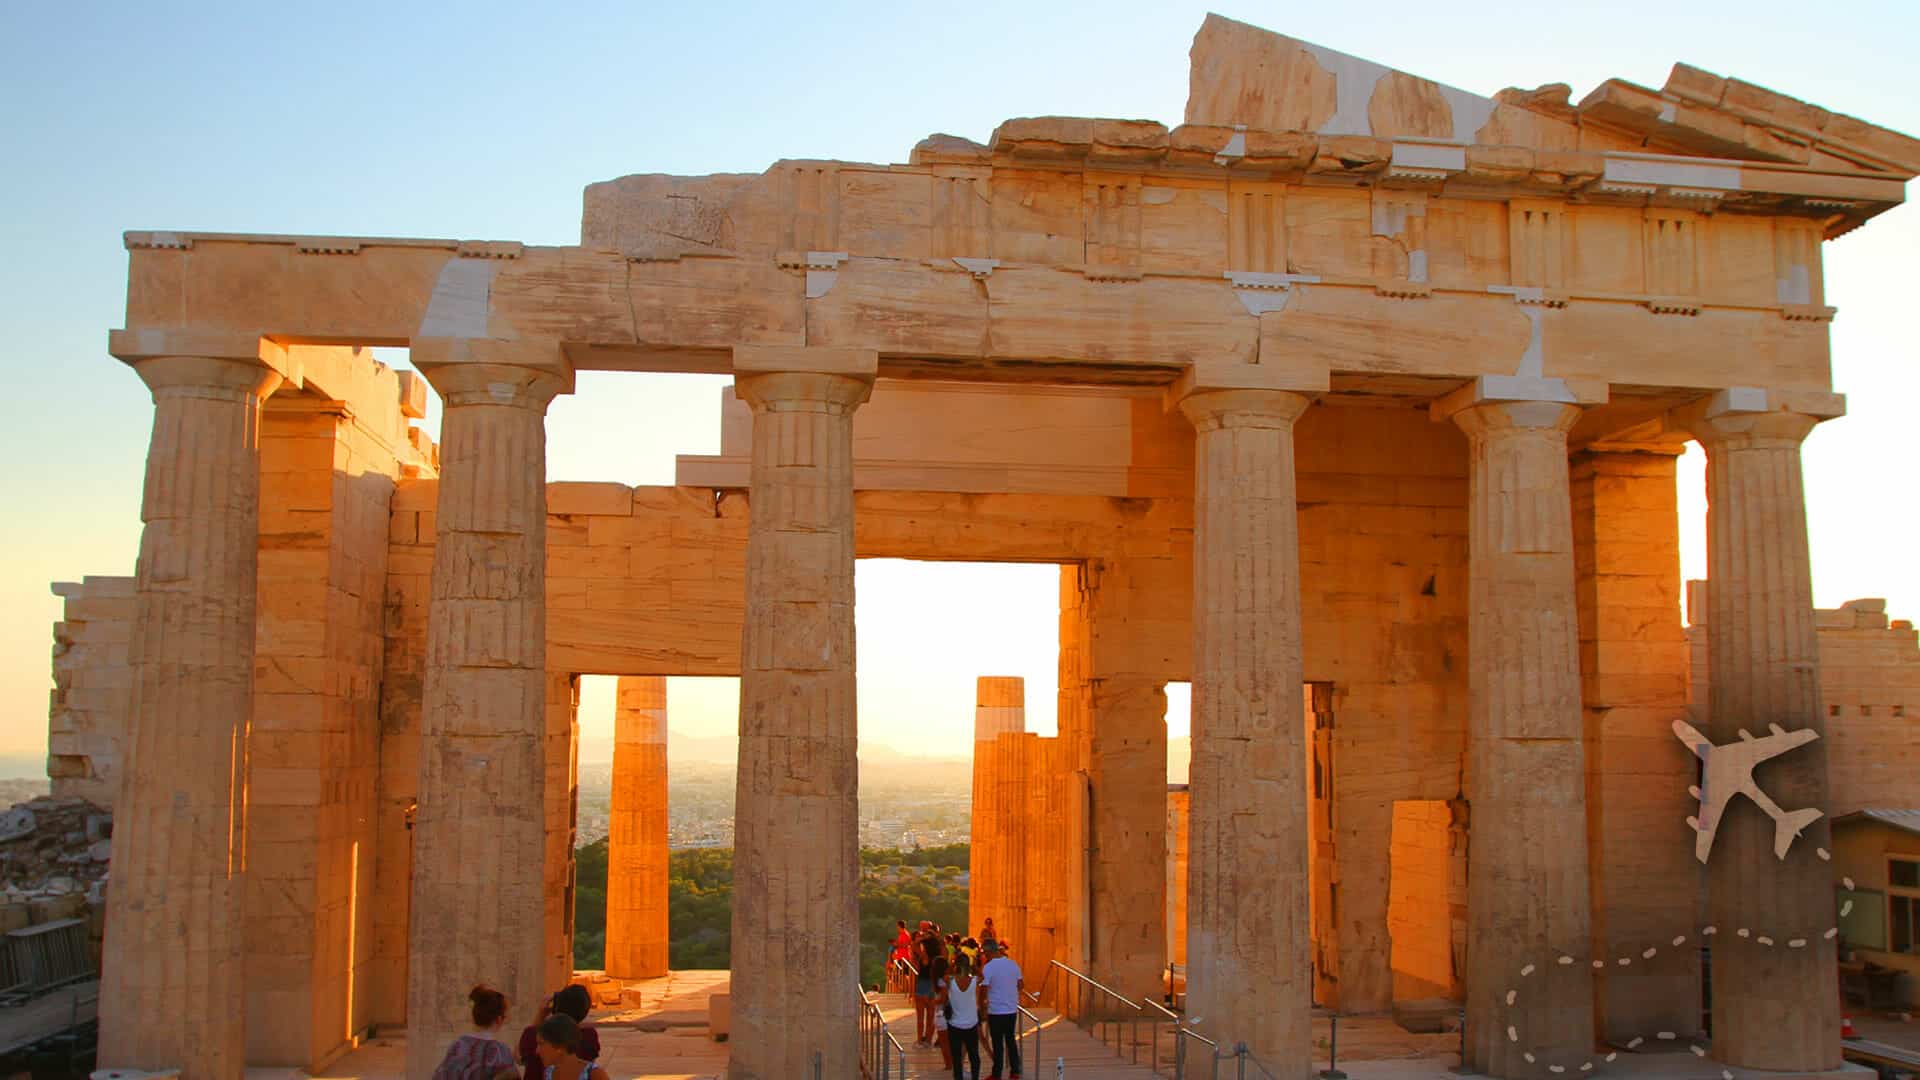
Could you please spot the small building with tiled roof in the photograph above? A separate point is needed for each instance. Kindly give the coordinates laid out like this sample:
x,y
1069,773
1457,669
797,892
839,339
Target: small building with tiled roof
x,y
1878,851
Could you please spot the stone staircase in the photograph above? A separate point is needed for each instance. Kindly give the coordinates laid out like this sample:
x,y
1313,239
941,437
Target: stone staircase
x,y
1056,1048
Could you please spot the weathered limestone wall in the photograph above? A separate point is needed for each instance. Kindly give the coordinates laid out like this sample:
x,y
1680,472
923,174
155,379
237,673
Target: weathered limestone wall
x,y
87,708
1870,687
1426,874
1642,873
1869,692
1383,572
409,584
560,805
1127,663
326,483
637,832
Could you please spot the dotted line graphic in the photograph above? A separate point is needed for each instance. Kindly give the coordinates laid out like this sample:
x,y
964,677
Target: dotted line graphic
x,y
1745,933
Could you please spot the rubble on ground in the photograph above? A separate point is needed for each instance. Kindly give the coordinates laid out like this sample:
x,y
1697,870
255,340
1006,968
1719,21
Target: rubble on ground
x,y
53,863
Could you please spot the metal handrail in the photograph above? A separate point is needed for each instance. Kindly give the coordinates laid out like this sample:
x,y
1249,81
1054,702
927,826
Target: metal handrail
x,y
1165,1016
1116,1028
1239,1055
879,1049
1090,981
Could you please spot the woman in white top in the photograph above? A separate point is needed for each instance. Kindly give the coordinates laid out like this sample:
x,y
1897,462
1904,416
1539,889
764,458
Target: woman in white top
x,y
958,1000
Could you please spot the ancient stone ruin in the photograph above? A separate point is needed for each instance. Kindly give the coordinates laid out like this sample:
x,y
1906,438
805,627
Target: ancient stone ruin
x,y
1353,400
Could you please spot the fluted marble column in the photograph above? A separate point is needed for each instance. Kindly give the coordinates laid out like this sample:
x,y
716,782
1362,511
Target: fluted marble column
x,y
1247,884
172,994
1774,1006
796,861
478,907
997,853
637,832
1527,902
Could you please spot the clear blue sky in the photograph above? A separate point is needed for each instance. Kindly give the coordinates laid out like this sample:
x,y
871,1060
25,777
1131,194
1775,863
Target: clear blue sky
x,y
485,120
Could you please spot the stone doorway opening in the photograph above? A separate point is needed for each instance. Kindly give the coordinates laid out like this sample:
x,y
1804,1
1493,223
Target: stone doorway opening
x,y
636,828
1322,901
1427,903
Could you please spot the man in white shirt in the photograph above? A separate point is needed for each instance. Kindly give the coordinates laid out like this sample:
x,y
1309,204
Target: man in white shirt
x,y
1000,987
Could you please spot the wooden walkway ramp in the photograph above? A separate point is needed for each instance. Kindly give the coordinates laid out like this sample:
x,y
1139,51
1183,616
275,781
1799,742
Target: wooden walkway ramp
x,y
1057,1044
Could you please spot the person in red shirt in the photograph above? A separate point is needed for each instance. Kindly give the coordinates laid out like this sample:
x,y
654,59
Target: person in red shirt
x,y
573,1002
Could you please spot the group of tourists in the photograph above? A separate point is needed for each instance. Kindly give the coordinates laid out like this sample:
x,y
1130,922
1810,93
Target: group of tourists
x,y
561,1045
956,982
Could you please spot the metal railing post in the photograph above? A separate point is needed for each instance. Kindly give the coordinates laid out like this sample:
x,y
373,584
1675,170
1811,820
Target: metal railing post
x,y
1332,1071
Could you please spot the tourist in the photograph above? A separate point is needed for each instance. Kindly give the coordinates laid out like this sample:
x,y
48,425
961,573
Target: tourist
x,y
988,938
898,979
559,1036
971,950
929,951
1000,986
938,969
480,1055
575,1002
960,1001
922,988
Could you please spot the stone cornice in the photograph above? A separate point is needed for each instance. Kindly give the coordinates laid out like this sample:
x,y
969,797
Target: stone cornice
x,y
1454,169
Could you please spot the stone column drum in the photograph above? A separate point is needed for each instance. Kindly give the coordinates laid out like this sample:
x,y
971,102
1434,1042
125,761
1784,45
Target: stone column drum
x,y
1527,903
1774,1007
796,867
172,994
1247,924
637,832
478,908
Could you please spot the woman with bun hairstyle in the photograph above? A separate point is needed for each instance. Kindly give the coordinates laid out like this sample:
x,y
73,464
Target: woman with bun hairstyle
x,y
559,1035
480,1055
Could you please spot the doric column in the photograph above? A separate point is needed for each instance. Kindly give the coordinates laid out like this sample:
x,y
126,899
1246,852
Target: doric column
x,y
637,832
478,911
1774,1005
172,994
1527,904
796,864
997,856
1247,883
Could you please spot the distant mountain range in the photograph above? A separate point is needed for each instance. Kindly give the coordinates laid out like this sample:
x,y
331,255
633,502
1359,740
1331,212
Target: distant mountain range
x,y
685,749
